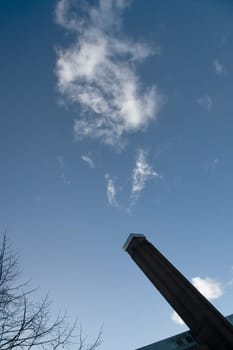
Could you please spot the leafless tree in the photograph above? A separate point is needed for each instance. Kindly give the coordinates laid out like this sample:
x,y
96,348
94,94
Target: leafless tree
x,y
25,324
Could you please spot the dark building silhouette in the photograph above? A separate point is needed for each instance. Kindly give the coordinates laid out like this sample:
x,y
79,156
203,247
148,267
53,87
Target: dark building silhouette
x,y
208,327
181,341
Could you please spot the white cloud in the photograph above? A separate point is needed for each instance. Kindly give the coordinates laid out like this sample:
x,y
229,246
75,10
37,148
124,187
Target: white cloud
x,y
177,319
88,160
111,191
218,67
98,71
141,174
205,102
209,287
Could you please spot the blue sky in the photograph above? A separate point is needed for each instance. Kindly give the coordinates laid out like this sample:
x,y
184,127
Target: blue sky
x,y
116,117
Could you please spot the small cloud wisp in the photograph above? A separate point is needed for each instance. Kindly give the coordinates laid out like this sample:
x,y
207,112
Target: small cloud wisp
x,y
61,164
206,103
142,173
88,160
218,67
111,191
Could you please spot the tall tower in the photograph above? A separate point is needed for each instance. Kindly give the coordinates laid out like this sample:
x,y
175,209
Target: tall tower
x,y
207,325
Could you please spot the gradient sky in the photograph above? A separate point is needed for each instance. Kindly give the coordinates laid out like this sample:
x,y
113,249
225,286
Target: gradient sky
x,y
116,117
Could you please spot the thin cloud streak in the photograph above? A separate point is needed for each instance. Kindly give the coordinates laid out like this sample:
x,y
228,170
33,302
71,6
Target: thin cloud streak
x,y
98,71
88,160
111,191
61,163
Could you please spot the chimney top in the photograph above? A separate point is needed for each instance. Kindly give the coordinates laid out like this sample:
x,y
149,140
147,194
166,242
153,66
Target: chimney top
x,y
130,238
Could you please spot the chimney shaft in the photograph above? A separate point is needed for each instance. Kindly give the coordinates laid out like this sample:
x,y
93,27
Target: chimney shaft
x,y
207,325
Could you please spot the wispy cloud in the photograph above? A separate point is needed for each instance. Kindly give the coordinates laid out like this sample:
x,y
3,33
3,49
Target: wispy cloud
x,y
88,160
229,283
142,173
209,287
211,165
98,71
61,164
214,164
60,160
111,191
205,102
218,67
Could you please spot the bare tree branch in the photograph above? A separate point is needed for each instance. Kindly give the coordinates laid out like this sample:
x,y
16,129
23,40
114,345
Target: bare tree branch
x,y
24,324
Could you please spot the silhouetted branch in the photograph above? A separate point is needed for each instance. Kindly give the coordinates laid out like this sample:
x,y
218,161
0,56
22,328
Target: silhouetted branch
x,y
25,325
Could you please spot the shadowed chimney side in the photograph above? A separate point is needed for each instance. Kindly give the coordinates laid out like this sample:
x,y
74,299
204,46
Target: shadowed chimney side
x,y
207,325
